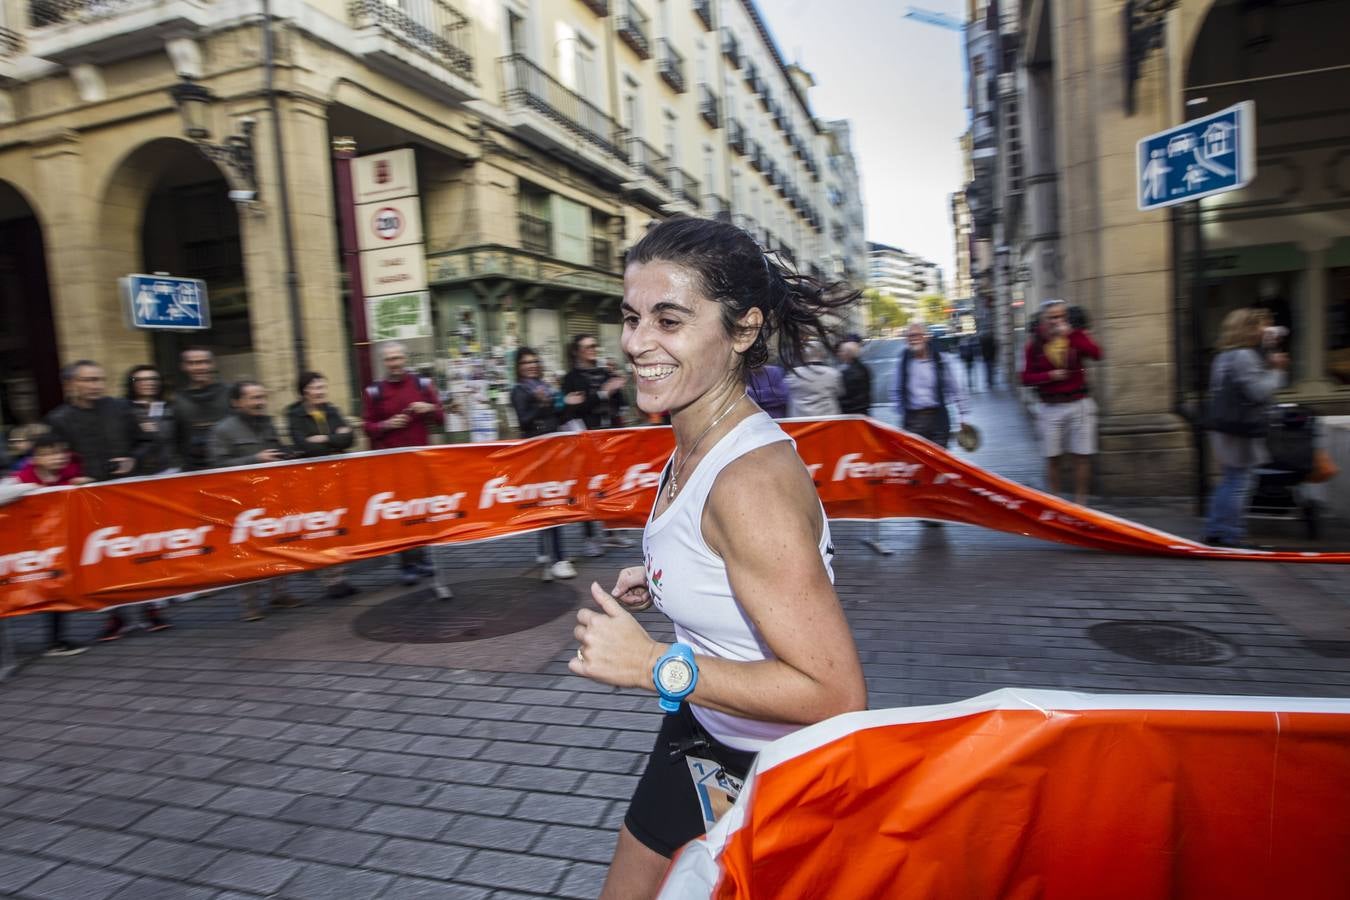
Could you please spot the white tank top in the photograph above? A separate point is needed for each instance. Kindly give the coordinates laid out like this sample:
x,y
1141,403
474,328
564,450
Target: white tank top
x,y
688,581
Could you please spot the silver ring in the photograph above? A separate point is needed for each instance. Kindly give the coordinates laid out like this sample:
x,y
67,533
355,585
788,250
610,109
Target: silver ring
x,y
579,656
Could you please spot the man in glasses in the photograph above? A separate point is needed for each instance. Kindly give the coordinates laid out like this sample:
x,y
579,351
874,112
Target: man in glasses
x,y
1067,418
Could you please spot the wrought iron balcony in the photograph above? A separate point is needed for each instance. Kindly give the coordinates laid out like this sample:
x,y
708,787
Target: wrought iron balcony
x,y
709,107
735,136
599,7
670,65
731,48
432,27
703,9
756,154
42,13
715,206
11,43
645,160
526,86
684,187
631,25
536,234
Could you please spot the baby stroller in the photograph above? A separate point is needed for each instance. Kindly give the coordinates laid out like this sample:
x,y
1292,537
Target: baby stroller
x,y
1280,493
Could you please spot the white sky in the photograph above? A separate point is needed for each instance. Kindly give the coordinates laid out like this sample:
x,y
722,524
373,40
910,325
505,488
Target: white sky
x,y
901,84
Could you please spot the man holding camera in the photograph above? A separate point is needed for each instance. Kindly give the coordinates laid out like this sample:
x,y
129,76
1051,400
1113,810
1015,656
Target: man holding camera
x,y
396,413
1067,418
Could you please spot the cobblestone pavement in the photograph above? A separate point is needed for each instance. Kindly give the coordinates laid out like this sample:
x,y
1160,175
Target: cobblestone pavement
x,y
293,758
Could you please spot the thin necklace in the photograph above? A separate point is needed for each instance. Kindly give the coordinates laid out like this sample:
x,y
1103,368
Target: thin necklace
x,y
679,467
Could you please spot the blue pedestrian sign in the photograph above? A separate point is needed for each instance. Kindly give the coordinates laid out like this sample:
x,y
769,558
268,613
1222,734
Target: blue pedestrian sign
x,y
1200,158
163,301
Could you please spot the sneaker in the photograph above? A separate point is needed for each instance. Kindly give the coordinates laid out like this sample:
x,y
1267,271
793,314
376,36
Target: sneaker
x,y
547,574
64,648
563,568
543,559
154,621
287,601
592,549
112,631
614,539
409,577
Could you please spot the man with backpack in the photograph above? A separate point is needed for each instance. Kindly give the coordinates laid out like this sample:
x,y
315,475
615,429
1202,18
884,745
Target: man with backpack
x,y
397,412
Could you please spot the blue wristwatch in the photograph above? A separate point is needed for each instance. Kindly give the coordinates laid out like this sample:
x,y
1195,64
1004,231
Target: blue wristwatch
x,y
675,675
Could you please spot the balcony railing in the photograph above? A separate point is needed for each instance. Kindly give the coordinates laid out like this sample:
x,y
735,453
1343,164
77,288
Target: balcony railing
x,y
731,48
11,43
735,135
599,7
526,85
631,25
602,253
643,157
42,13
536,234
715,206
670,65
755,154
683,185
703,9
432,27
708,106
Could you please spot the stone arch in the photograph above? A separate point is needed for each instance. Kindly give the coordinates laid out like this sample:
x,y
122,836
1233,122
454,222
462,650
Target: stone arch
x,y
133,212
29,357
1193,14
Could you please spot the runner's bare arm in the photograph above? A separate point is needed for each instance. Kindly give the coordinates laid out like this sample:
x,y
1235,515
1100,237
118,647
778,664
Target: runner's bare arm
x,y
764,519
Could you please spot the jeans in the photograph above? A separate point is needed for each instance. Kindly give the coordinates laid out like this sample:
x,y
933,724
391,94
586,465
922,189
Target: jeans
x,y
1228,505
554,537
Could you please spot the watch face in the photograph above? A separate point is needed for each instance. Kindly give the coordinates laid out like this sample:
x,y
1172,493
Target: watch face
x,y
675,676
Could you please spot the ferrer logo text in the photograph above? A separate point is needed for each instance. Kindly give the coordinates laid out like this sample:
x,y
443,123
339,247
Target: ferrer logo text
x,y
254,523
29,565
176,542
543,493
422,509
851,466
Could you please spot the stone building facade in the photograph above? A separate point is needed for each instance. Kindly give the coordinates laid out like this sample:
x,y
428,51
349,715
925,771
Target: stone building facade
x,y
1072,86
547,135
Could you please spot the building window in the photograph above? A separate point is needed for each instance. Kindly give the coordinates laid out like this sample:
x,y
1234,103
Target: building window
x,y
517,36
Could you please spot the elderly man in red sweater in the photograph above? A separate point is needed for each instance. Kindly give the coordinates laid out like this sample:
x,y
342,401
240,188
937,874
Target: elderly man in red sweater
x,y
1067,418
396,413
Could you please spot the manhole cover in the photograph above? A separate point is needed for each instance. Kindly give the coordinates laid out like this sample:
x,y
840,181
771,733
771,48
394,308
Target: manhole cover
x,y
480,609
1164,642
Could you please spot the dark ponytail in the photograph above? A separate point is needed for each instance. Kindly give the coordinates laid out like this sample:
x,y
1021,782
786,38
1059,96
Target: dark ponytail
x,y
737,273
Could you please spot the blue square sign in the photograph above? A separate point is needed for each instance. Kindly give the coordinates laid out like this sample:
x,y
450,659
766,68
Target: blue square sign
x,y
163,301
1199,158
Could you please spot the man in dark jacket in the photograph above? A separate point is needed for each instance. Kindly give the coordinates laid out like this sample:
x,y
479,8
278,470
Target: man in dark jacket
x,y
198,406
100,430
857,399
247,437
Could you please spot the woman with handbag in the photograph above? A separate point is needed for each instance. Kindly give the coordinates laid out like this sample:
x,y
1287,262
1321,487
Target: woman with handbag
x,y
1243,380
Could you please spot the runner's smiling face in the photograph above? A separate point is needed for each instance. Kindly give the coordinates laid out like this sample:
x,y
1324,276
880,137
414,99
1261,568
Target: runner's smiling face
x,y
675,338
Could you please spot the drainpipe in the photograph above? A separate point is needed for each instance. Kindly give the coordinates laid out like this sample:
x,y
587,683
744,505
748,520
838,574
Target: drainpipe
x,y
287,235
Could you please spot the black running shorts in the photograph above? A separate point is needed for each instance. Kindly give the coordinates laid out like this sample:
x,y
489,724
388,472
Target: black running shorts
x,y
664,813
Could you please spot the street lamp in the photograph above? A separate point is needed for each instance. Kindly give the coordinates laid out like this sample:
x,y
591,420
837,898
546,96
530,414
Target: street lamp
x,y
194,105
